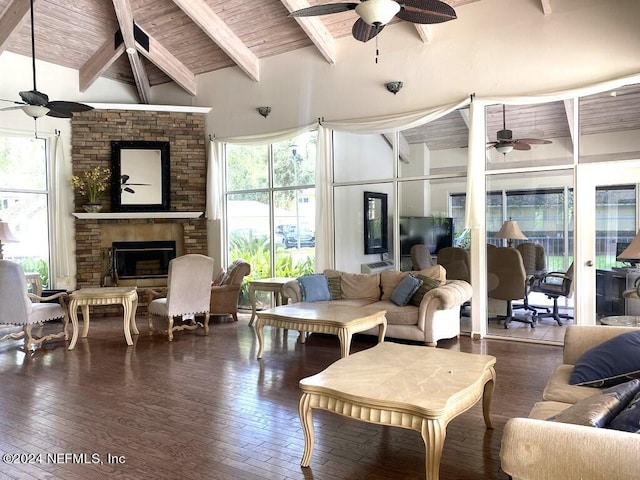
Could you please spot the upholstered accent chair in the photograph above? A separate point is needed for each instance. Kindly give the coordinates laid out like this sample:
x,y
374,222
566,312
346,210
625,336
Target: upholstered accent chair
x,y
420,257
188,292
554,285
19,308
507,280
224,297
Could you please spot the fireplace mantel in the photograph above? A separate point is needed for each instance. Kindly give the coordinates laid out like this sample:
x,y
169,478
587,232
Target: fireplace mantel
x,y
131,215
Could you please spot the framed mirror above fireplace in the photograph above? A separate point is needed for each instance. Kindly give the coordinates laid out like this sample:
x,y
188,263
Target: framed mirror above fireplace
x,y
140,176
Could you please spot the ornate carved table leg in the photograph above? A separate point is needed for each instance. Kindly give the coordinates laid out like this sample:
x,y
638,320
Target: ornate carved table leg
x,y
306,419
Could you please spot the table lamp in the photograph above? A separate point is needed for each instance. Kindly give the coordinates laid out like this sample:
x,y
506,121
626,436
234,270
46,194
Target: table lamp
x,y
5,236
631,254
511,231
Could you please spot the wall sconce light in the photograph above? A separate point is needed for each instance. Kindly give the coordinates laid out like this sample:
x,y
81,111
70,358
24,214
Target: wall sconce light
x,y
264,111
394,87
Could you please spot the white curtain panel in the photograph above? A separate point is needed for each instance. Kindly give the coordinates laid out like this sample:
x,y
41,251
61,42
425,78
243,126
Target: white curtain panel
x,y
214,181
60,258
324,200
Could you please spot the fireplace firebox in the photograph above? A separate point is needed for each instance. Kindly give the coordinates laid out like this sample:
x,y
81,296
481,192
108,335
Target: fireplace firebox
x,y
138,260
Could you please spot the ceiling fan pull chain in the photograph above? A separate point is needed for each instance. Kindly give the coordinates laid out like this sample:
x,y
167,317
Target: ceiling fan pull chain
x,y
377,51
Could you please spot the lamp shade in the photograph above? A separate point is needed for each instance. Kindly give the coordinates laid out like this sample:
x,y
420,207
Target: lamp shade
x,y
5,233
511,231
632,252
5,236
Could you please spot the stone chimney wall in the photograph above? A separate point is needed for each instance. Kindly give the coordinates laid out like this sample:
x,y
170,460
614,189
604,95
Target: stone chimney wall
x,y
92,133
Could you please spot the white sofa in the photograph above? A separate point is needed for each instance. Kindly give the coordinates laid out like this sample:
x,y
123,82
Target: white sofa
x,y
537,449
437,317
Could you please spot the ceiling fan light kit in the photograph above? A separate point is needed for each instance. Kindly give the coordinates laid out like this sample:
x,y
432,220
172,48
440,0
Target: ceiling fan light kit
x,y
504,149
377,12
35,111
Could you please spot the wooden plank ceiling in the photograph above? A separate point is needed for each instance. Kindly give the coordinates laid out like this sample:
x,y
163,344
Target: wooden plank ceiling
x,y
175,40
185,37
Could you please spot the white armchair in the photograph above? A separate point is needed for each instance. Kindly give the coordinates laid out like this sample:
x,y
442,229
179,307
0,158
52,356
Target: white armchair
x,y
188,294
17,307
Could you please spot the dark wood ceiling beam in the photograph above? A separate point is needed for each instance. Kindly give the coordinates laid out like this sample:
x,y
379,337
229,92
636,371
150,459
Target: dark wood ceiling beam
x,y
125,20
317,32
14,15
99,62
211,24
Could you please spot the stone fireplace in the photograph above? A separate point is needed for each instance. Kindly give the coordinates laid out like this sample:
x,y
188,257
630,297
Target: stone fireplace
x,y
93,132
95,238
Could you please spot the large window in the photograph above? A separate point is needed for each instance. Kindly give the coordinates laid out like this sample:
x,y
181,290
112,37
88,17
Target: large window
x,y
24,200
270,206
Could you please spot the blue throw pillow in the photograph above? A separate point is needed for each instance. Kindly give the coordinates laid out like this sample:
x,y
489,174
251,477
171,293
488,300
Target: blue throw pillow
x,y
612,362
405,289
315,287
629,419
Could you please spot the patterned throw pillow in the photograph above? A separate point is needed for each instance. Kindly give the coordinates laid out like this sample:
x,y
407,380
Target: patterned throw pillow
x,y
405,289
428,283
334,288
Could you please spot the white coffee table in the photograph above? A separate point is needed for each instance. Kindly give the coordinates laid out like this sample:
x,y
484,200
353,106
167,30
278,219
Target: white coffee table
x,y
409,386
83,298
321,317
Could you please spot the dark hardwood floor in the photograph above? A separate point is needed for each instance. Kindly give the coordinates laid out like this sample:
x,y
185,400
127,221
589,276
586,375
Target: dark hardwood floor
x,y
205,408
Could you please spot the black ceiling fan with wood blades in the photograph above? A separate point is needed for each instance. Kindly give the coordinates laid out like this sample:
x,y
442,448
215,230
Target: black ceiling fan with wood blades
x,y
35,103
375,14
505,142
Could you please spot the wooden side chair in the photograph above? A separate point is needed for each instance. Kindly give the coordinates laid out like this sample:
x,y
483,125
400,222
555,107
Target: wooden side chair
x,y
188,294
19,308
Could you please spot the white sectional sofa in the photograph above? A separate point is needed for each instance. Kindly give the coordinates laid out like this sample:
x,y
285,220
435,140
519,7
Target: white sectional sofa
x,y
436,317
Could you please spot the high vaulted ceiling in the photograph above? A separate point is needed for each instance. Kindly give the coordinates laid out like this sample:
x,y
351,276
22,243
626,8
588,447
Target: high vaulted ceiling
x,y
177,39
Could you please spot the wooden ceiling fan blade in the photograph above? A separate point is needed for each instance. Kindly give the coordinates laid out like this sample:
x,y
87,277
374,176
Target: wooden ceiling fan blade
x,y
325,9
426,11
63,106
15,107
521,146
533,141
56,114
34,97
364,32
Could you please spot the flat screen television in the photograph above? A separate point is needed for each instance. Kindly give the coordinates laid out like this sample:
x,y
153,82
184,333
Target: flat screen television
x,y
620,247
435,232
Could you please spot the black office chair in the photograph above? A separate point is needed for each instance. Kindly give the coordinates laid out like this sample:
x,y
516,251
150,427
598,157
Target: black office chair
x,y
554,285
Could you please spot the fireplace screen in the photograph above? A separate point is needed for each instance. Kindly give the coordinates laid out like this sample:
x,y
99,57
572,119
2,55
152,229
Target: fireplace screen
x,y
133,260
